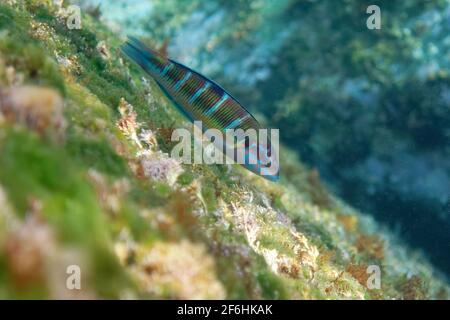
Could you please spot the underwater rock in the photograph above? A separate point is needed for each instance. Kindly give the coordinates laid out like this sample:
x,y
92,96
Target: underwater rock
x,y
35,257
158,166
9,75
252,219
40,30
152,164
109,194
26,251
38,108
149,138
8,219
68,64
128,123
181,270
102,49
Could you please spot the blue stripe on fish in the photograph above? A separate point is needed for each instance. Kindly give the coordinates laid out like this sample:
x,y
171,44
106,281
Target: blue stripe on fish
x,y
236,122
199,92
217,105
166,69
182,81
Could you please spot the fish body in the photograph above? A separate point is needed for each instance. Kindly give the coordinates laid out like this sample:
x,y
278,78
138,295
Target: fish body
x,y
201,99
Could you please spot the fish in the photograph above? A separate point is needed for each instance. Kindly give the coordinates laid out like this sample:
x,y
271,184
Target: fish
x,y
201,99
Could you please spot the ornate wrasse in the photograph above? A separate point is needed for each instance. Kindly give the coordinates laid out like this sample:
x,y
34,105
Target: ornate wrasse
x,y
201,99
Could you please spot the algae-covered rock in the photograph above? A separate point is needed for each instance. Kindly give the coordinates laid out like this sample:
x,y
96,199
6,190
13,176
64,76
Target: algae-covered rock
x,y
104,212
37,107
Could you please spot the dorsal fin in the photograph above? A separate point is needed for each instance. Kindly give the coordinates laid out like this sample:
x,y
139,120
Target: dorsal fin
x,y
163,49
139,45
